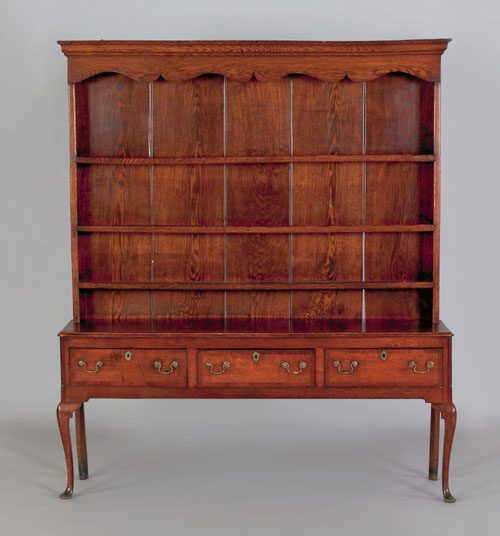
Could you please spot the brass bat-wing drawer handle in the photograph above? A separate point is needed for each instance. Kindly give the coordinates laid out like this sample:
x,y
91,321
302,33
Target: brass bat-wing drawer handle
x,y
173,366
338,365
225,365
98,365
286,366
413,365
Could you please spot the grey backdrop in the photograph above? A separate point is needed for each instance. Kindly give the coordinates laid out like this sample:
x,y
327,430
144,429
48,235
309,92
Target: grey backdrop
x,y
242,467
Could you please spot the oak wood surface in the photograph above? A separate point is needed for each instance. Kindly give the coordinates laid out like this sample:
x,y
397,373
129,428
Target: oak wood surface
x,y
265,60
395,370
234,197
267,371
116,370
271,159
255,229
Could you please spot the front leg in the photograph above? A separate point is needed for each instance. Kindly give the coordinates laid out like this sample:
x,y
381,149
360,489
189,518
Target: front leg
x,y
81,443
65,411
449,415
434,443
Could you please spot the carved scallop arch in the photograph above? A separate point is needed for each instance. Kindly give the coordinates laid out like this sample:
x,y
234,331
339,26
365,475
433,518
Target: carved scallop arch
x,y
243,75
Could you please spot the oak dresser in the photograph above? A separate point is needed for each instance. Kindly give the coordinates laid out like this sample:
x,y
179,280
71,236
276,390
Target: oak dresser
x,y
255,219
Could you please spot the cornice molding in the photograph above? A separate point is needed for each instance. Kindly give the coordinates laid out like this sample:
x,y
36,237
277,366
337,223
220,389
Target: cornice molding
x,y
264,60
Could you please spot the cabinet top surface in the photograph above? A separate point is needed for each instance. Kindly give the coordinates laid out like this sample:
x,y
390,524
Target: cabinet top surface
x,y
421,46
273,328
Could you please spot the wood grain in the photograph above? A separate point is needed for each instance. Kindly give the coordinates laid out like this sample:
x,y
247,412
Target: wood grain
x,y
258,195
327,117
399,115
188,117
274,159
327,304
242,61
184,205
115,305
398,305
327,257
273,285
188,258
115,257
258,310
171,306
258,118
371,370
188,195
112,116
257,258
267,371
139,371
113,195
253,49
399,194
398,257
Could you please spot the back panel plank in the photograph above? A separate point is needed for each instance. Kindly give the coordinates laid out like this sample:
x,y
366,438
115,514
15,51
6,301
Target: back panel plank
x,y
258,195
327,119
117,257
113,195
183,307
258,310
327,194
337,305
327,116
188,257
112,116
258,123
188,195
398,257
257,257
258,118
399,115
327,257
117,305
398,305
400,194
188,117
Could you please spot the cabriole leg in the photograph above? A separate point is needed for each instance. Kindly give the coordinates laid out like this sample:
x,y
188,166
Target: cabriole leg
x,y
434,443
64,414
81,443
449,415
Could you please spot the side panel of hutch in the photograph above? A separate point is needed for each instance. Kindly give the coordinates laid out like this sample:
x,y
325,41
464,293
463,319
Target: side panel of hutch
x,y
255,219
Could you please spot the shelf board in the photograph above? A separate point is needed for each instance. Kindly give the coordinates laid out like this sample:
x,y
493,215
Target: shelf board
x,y
296,229
273,285
278,159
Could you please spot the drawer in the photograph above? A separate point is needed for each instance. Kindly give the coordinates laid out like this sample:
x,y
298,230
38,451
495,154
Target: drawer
x,y
389,366
276,368
131,367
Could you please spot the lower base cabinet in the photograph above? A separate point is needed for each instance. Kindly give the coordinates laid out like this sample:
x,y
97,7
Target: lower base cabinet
x,y
126,365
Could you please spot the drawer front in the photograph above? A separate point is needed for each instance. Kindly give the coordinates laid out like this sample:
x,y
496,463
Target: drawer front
x,y
388,366
132,367
277,368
